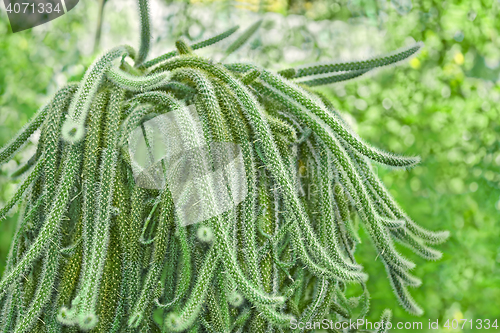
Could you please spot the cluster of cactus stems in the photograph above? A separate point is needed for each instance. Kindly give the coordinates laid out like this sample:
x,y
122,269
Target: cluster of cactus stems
x,y
95,252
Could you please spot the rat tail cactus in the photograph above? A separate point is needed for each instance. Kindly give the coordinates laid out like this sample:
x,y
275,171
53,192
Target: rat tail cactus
x,y
220,197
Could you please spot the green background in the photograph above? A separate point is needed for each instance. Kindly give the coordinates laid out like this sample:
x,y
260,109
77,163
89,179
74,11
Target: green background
x,y
441,105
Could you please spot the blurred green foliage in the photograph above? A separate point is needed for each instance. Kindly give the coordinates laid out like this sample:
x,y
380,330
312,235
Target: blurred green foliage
x,y
443,105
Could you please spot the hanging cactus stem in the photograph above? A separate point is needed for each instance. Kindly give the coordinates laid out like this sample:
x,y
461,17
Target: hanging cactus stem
x,y
223,197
